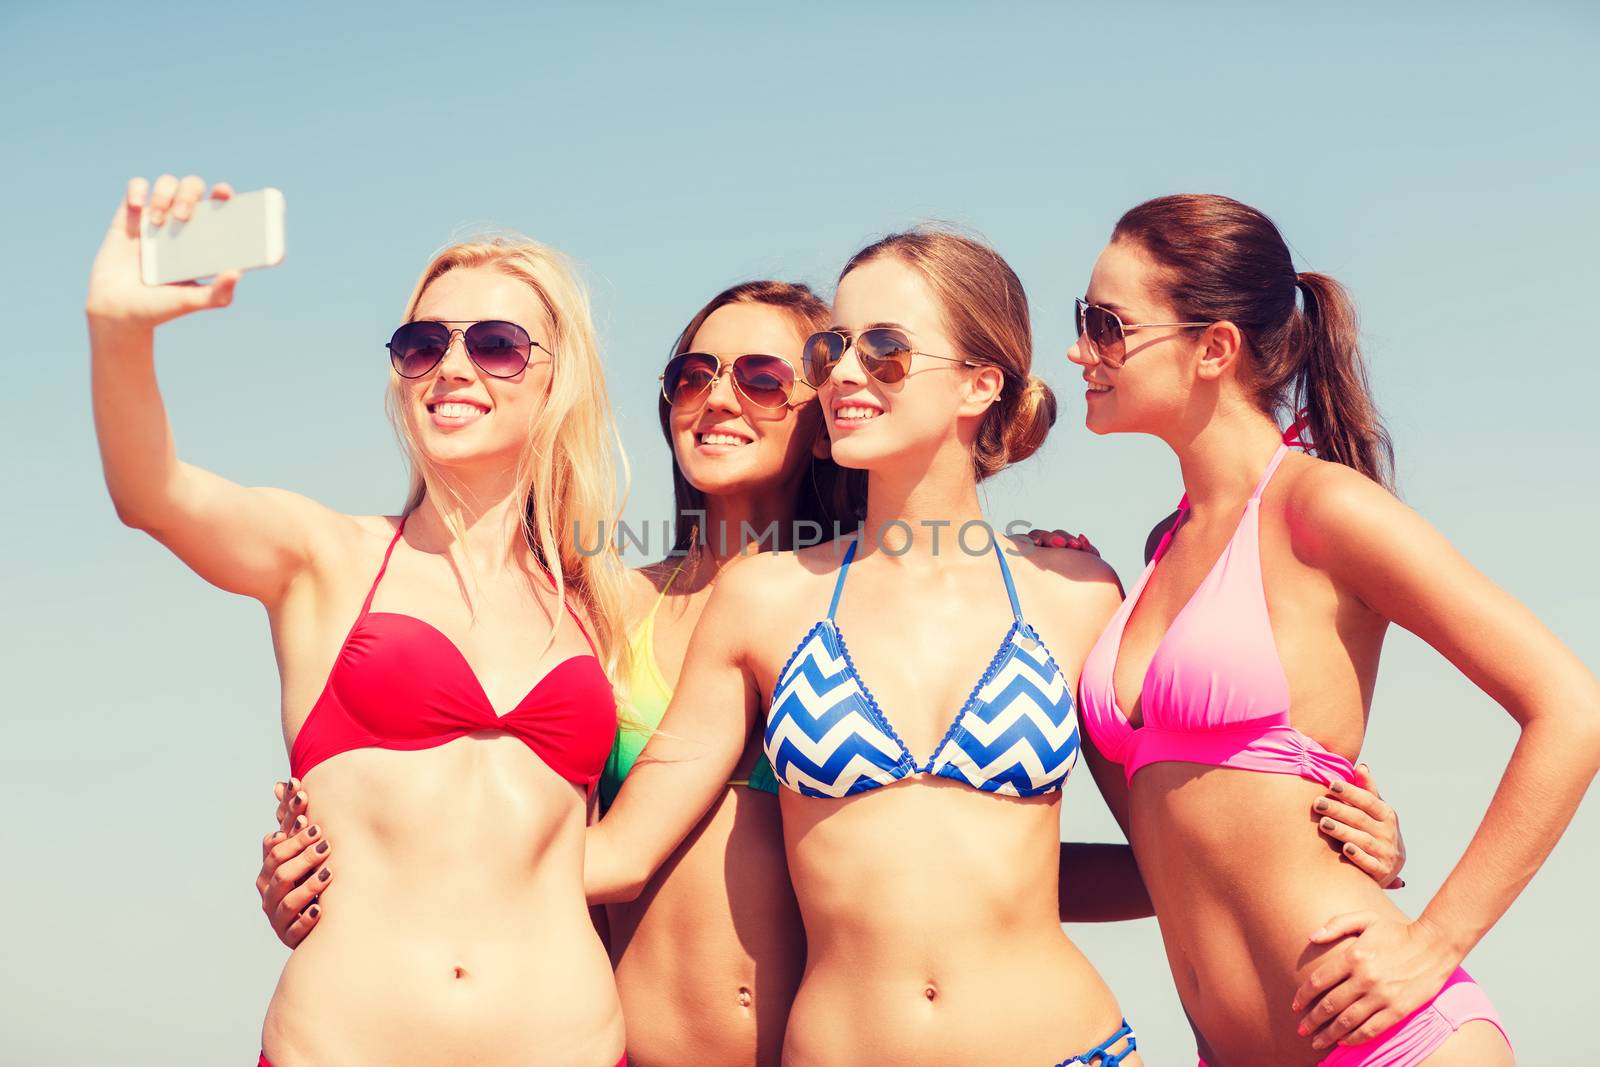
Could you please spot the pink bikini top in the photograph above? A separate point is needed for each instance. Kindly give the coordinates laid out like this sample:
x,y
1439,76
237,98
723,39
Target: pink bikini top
x,y
1215,692
400,683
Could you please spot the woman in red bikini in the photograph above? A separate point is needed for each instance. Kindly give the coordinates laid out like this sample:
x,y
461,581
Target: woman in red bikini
x,y
1232,687
445,673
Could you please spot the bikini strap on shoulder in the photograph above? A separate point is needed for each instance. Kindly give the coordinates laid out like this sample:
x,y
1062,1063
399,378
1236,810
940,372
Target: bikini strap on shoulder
x,y
366,605
666,586
838,586
1272,468
1011,586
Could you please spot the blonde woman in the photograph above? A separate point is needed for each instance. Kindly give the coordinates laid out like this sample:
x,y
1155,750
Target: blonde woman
x,y
444,672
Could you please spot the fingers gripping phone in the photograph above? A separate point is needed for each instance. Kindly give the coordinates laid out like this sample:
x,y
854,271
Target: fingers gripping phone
x,y
241,233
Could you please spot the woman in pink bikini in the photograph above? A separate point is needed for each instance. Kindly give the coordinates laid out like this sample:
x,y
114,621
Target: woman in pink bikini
x,y
1232,686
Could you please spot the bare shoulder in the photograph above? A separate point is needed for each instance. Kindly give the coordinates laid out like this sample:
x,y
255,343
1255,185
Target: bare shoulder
x,y
339,540
776,577
1329,508
1083,578
642,585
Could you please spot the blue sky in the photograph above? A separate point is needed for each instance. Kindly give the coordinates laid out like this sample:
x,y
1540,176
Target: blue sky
x,y
1440,161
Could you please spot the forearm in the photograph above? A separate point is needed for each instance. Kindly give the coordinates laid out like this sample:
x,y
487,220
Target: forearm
x,y
612,873
1550,769
136,449
671,786
1101,883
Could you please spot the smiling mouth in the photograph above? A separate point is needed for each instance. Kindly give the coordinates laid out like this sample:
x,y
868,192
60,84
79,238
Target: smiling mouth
x,y
1096,387
715,437
455,409
855,413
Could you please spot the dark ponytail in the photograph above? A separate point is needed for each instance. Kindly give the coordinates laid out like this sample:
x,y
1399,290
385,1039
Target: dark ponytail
x,y
1221,260
1329,381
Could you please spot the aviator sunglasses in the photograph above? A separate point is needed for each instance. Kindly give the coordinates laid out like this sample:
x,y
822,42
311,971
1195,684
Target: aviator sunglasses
x,y
885,354
765,382
499,349
1107,334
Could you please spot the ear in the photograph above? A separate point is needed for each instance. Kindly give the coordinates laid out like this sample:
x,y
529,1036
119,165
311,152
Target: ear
x,y
1220,347
982,390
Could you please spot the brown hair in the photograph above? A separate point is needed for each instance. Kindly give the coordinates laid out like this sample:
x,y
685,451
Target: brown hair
x,y
986,314
836,496
1221,260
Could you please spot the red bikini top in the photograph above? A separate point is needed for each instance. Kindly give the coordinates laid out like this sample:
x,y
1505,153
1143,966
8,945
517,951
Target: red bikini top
x,y
399,683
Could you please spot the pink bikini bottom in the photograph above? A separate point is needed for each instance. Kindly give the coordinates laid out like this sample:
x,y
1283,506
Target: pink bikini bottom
x,y
1419,1035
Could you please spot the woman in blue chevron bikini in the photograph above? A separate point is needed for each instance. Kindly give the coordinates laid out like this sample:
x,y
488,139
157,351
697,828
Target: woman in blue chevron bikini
x,y
922,765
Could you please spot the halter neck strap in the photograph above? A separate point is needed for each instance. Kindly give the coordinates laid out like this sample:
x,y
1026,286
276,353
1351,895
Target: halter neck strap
x,y
838,586
366,605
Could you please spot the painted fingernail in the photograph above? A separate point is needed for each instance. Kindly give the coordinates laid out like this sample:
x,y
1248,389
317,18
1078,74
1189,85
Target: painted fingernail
x,y
299,798
1321,805
313,832
1349,849
314,911
299,823
324,874
1302,1031
1327,824
322,847
1337,787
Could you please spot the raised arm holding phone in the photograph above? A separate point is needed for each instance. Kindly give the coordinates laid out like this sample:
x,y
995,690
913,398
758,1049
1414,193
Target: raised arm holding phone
x,y
414,650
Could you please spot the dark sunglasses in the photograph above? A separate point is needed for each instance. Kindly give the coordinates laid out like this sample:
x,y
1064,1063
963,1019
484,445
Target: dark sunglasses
x,y
499,349
884,353
1107,335
765,382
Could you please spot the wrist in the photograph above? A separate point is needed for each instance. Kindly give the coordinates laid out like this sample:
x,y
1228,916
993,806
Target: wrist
x,y
114,329
1453,942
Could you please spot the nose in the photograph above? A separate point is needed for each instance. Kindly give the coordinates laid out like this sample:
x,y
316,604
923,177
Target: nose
x,y
722,396
1080,354
455,363
848,371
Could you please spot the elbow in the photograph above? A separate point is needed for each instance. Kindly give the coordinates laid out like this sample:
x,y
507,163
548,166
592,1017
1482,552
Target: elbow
x,y
1588,730
133,516
1579,727
621,891
130,517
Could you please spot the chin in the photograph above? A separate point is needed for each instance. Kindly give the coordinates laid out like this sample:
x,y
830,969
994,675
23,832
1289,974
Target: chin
x,y
856,455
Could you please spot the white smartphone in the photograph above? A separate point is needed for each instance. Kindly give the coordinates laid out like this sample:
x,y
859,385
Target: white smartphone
x,y
241,233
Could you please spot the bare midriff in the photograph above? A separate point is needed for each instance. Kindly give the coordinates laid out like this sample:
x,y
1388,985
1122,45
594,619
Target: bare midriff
x,y
932,921
456,929
708,958
1240,879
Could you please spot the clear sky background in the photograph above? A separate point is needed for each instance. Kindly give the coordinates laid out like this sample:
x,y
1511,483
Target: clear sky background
x,y
1439,159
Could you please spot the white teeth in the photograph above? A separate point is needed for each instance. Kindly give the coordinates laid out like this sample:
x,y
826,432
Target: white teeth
x,y
856,413
457,411
722,439
1094,388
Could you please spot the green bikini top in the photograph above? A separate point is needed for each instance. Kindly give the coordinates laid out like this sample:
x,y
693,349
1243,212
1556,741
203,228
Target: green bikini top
x,y
648,695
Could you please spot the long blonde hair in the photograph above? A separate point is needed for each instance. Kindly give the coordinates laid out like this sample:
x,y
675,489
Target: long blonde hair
x,y
567,470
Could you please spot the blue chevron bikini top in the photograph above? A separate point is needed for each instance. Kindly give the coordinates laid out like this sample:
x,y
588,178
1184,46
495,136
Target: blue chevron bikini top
x,y
1016,734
